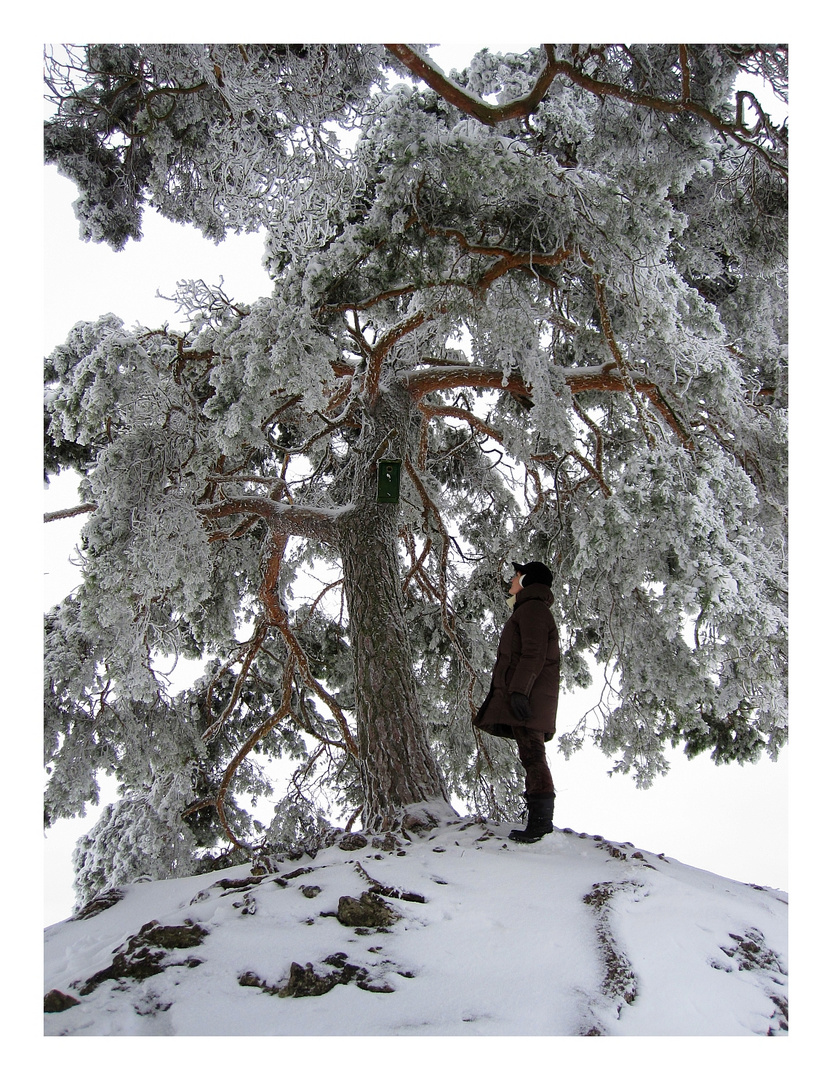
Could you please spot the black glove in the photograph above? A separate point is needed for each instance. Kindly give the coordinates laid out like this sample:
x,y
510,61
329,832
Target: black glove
x,y
519,705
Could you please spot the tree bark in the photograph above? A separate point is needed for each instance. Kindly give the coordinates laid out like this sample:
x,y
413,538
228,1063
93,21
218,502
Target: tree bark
x,y
396,764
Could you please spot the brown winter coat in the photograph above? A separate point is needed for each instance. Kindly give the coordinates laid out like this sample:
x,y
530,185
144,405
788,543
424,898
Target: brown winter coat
x,y
528,662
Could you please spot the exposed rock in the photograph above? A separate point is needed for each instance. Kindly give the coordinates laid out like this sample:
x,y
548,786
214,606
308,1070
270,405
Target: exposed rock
x,y
305,981
617,851
420,819
751,953
236,884
293,854
147,953
780,1016
338,959
388,890
150,1004
352,842
57,1001
250,978
98,904
184,936
246,906
264,864
374,987
388,842
612,849
364,979
369,910
619,981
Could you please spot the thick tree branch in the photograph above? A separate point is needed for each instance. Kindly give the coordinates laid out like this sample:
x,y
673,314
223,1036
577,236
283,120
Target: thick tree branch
x,y
594,471
481,378
429,411
579,380
505,258
599,445
491,115
291,520
274,616
469,103
415,563
379,353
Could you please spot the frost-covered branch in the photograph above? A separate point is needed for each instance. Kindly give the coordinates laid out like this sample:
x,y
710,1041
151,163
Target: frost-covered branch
x,y
505,259
254,648
472,105
618,356
57,515
380,351
579,380
430,73
290,519
278,617
431,511
430,411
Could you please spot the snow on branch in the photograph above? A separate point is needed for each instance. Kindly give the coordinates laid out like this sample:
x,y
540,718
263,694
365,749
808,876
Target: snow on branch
x,y
520,108
579,380
57,515
469,103
312,522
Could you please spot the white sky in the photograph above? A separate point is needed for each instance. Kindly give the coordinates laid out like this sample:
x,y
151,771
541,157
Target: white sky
x,y
729,819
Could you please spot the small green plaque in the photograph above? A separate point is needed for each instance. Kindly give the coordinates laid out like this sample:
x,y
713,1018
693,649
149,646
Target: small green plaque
x,y
389,480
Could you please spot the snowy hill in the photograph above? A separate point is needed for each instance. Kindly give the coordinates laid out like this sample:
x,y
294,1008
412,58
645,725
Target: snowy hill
x,y
455,932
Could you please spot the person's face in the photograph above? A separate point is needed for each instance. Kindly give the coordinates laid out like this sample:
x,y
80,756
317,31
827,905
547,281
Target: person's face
x,y
515,586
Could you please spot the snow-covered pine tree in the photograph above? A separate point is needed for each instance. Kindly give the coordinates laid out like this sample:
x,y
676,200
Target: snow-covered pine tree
x,y
552,286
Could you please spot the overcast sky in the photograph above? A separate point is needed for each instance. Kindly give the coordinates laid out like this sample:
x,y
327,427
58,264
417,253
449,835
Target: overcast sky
x,y
730,819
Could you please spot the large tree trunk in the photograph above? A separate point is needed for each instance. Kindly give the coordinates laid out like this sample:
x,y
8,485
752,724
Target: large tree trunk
x,y
396,764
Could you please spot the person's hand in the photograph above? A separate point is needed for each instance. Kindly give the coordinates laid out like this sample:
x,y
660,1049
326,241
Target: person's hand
x,y
519,705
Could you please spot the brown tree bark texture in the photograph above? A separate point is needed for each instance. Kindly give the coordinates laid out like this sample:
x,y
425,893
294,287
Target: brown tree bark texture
x,y
396,764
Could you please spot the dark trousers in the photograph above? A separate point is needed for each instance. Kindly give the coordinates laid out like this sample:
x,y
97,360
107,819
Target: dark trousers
x,y
531,747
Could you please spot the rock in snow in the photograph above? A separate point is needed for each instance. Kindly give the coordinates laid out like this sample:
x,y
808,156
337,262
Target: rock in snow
x,y
457,932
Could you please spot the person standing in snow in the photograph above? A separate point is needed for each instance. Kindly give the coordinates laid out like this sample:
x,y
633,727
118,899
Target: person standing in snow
x,y
522,702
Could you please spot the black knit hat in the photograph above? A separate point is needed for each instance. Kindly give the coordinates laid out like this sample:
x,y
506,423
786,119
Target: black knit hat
x,y
534,573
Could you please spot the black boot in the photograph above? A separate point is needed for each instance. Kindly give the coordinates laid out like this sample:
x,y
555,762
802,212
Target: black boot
x,y
541,812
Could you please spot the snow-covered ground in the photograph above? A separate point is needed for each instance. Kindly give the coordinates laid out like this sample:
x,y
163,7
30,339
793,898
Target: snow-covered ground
x,y
572,936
